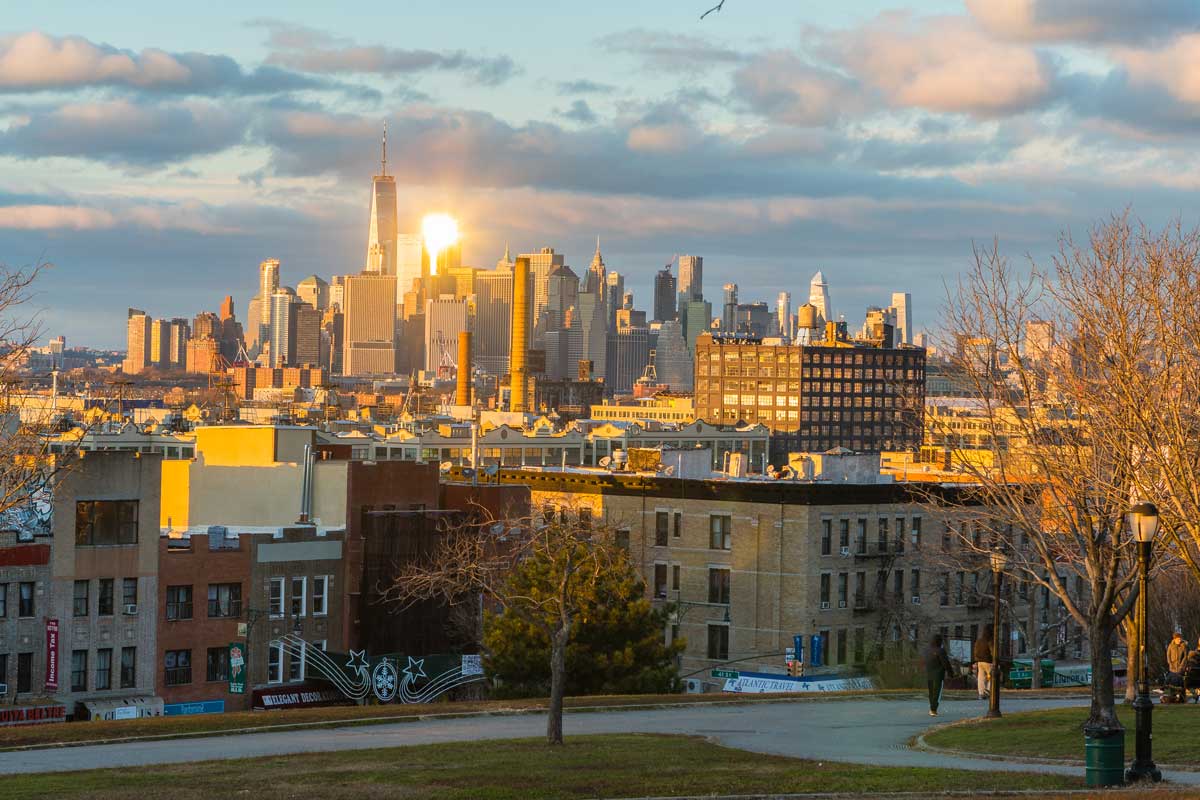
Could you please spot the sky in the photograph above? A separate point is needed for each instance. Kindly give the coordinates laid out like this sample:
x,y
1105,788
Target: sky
x,y
154,153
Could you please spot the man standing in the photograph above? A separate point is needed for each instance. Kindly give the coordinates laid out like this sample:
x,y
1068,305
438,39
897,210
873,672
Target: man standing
x,y
1176,653
937,664
983,657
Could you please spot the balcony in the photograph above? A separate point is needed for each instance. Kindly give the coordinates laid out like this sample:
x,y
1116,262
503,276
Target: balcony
x,y
866,605
873,551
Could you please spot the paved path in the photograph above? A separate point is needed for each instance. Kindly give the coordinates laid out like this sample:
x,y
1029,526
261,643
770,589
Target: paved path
x,y
865,731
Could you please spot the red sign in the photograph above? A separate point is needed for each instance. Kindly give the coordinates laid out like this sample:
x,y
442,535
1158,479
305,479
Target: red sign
x,y
32,715
51,654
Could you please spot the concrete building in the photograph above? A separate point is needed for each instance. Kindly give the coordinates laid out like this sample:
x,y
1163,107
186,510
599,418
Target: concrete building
x,y
729,308
614,294
493,320
541,264
282,338
695,317
369,327
628,353
268,282
177,343
409,255
25,590
836,393
445,318
315,291
672,359
783,316
691,279
664,408
665,302
588,339
818,297
382,227
137,342
902,311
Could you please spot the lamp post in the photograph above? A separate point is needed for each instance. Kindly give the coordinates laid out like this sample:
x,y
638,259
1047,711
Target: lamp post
x,y
1143,521
999,562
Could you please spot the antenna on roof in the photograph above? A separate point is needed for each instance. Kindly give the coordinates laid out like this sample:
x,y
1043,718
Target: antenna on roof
x,y
383,169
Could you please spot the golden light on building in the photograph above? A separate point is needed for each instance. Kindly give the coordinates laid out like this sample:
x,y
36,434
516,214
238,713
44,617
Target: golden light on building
x,y
439,231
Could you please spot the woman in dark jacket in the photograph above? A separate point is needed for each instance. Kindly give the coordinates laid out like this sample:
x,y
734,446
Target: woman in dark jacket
x,y
937,664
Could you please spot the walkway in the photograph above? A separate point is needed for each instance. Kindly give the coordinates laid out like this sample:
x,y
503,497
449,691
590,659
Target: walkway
x,y
865,731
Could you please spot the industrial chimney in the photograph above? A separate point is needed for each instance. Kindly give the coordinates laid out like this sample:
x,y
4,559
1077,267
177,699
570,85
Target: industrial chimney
x,y
463,395
519,386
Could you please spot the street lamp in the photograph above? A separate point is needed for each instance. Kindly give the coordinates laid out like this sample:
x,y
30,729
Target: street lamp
x,y
1143,521
999,562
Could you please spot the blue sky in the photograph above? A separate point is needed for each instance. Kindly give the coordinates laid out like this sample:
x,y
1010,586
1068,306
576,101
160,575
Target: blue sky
x,y
155,153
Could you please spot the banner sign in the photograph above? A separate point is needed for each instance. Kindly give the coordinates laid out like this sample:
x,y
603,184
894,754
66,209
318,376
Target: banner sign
x,y
759,684
32,715
51,654
200,707
816,645
237,668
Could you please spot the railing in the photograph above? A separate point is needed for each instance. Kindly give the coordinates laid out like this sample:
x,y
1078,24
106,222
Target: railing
x,y
179,611
177,676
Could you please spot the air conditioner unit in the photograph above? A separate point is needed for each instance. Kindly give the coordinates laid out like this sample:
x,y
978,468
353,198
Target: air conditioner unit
x,y
131,608
845,551
3,689
824,605
916,599
841,603
694,686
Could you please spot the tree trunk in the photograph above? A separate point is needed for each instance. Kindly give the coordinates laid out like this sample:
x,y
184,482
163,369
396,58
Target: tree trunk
x,y
1102,718
558,679
1133,657
1033,636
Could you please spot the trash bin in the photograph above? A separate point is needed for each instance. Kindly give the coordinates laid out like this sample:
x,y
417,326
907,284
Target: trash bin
x,y
1105,759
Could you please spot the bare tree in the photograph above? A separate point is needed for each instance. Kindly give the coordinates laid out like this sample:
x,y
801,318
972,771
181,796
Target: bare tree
x,y
1052,357
477,558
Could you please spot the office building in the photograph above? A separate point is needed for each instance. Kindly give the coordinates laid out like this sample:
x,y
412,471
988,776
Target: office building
x,y
382,227
833,393
589,334
691,279
306,348
282,341
369,325
695,318
783,316
729,308
445,318
818,296
628,351
137,341
562,294
672,359
902,311
493,320
268,282
665,302
410,251
160,343
596,279
337,292
314,291
541,264
754,319
614,296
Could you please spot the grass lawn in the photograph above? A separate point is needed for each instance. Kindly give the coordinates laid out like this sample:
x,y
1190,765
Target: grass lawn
x,y
1058,734
587,766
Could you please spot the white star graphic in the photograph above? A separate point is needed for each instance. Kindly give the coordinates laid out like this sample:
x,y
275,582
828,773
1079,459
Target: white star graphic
x,y
358,660
418,664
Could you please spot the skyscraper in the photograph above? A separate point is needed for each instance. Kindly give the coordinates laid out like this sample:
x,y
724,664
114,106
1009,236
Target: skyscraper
x,y
902,307
160,343
180,333
314,291
137,338
369,325
381,231
783,314
614,296
729,308
268,282
691,279
541,264
818,296
493,320
445,318
596,279
227,307
672,358
588,339
664,295
283,328
409,256
695,318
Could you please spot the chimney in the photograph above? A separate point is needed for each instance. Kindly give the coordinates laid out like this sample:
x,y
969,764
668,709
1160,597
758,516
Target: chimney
x,y
463,395
519,386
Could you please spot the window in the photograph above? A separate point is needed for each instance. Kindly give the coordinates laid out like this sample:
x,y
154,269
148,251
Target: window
x,y
296,665
718,586
947,536
844,534
129,591
843,581
104,668
718,642
79,670
914,584
3,601
106,522
661,523
275,663
128,667
320,604
660,580
862,537
945,599
675,577
224,600
622,539
898,583
841,646
914,533
179,602
899,534
299,592
961,589
826,537
677,528
882,533
218,664
720,532
859,642
177,666
275,603
825,582
104,605
81,598
24,672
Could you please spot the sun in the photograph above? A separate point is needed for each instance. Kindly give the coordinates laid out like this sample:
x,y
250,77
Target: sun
x,y
439,231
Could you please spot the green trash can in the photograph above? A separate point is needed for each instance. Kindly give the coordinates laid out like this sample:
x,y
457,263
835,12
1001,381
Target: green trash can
x,y
1105,760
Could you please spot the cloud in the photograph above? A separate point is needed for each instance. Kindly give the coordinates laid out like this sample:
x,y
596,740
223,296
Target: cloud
x,y
943,64
126,132
1175,66
309,50
35,62
1085,20
111,213
781,86
584,86
671,52
579,112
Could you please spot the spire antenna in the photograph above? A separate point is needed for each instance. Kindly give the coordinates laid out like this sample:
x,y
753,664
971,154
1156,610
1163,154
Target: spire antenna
x,y
383,170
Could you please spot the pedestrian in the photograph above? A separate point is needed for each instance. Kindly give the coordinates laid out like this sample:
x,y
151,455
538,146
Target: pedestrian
x,y
1177,653
937,664
984,658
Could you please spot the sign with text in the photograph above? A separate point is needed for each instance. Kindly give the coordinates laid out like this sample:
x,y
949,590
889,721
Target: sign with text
x,y
237,668
472,665
51,655
728,674
32,715
757,684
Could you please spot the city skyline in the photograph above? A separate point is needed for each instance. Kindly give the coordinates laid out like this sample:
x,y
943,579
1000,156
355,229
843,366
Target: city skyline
x,y
866,143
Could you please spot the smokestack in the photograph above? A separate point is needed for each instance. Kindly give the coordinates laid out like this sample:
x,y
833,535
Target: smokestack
x,y
463,396
519,386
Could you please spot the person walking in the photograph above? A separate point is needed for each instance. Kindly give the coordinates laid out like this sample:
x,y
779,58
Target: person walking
x,y
983,657
937,664
1177,653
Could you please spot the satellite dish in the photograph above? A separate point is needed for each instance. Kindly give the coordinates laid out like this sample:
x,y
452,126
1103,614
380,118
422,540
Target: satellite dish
x,y
491,470
669,471
445,467
468,472
606,461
